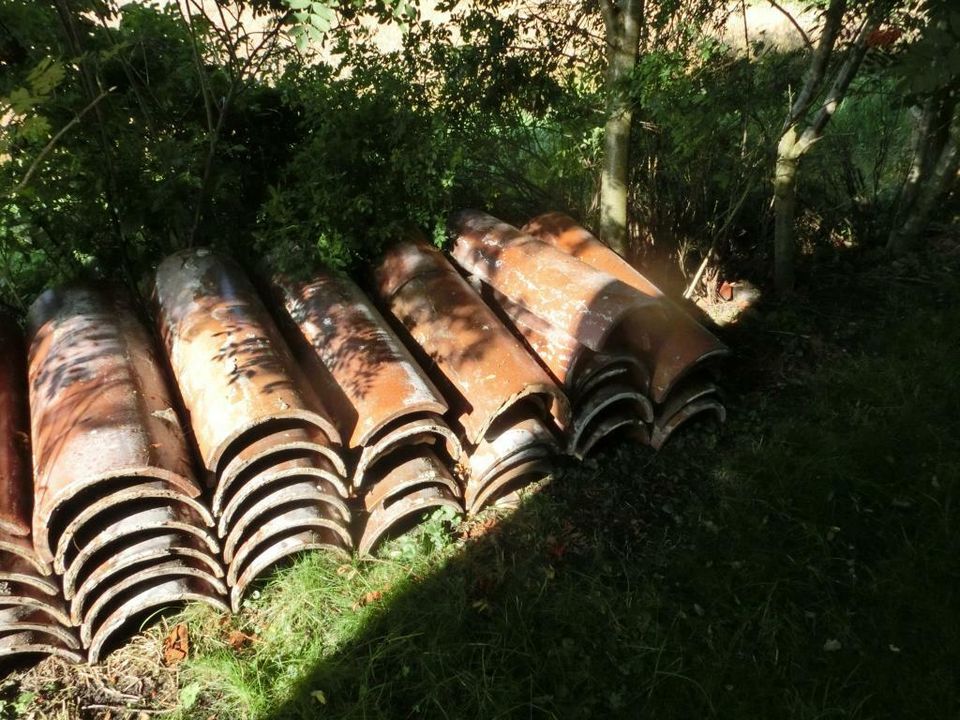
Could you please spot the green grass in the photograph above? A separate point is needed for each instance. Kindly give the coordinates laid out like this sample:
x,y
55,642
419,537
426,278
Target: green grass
x,y
801,562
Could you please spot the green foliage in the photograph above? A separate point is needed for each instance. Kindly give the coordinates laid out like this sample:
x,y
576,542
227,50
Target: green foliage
x,y
932,61
375,161
312,143
433,536
314,19
120,188
313,160
860,164
25,124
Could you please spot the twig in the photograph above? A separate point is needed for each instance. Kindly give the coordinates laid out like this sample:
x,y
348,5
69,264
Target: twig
x,y
793,21
198,61
236,82
60,133
698,274
90,77
746,32
787,333
127,709
833,15
132,75
716,239
914,280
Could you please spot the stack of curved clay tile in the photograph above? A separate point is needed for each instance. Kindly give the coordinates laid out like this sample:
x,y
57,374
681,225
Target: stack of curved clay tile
x,y
681,351
389,411
33,620
269,446
504,401
608,343
115,504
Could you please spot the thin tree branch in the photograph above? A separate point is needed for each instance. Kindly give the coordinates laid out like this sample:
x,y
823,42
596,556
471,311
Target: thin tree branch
x,y
609,12
575,27
746,31
840,85
818,64
716,241
793,21
60,133
251,62
91,82
184,10
133,76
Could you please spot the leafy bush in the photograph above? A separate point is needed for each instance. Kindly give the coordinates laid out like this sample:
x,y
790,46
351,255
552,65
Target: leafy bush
x,y
132,132
372,160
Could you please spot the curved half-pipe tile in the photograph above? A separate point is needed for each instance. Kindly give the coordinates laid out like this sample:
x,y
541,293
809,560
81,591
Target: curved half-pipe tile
x,y
126,531
138,602
283,522
233,368
678,345
586,304
136,583
379,378
298,493
142,553
100,408
16,484
91,521
483,369
428,430
391,517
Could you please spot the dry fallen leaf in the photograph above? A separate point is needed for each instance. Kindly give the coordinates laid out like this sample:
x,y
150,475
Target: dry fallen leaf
x,y
176,645
369,598
238,640
556,548
486,526
170,415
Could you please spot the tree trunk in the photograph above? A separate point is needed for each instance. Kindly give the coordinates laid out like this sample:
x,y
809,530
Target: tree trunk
x,y
832,23
784,210
793,146
935,186
622,20
931,136
614,179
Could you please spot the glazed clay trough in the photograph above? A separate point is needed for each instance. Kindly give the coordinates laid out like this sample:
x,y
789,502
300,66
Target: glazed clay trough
x,y
33,620
391,413
271,450
508,407
112,468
